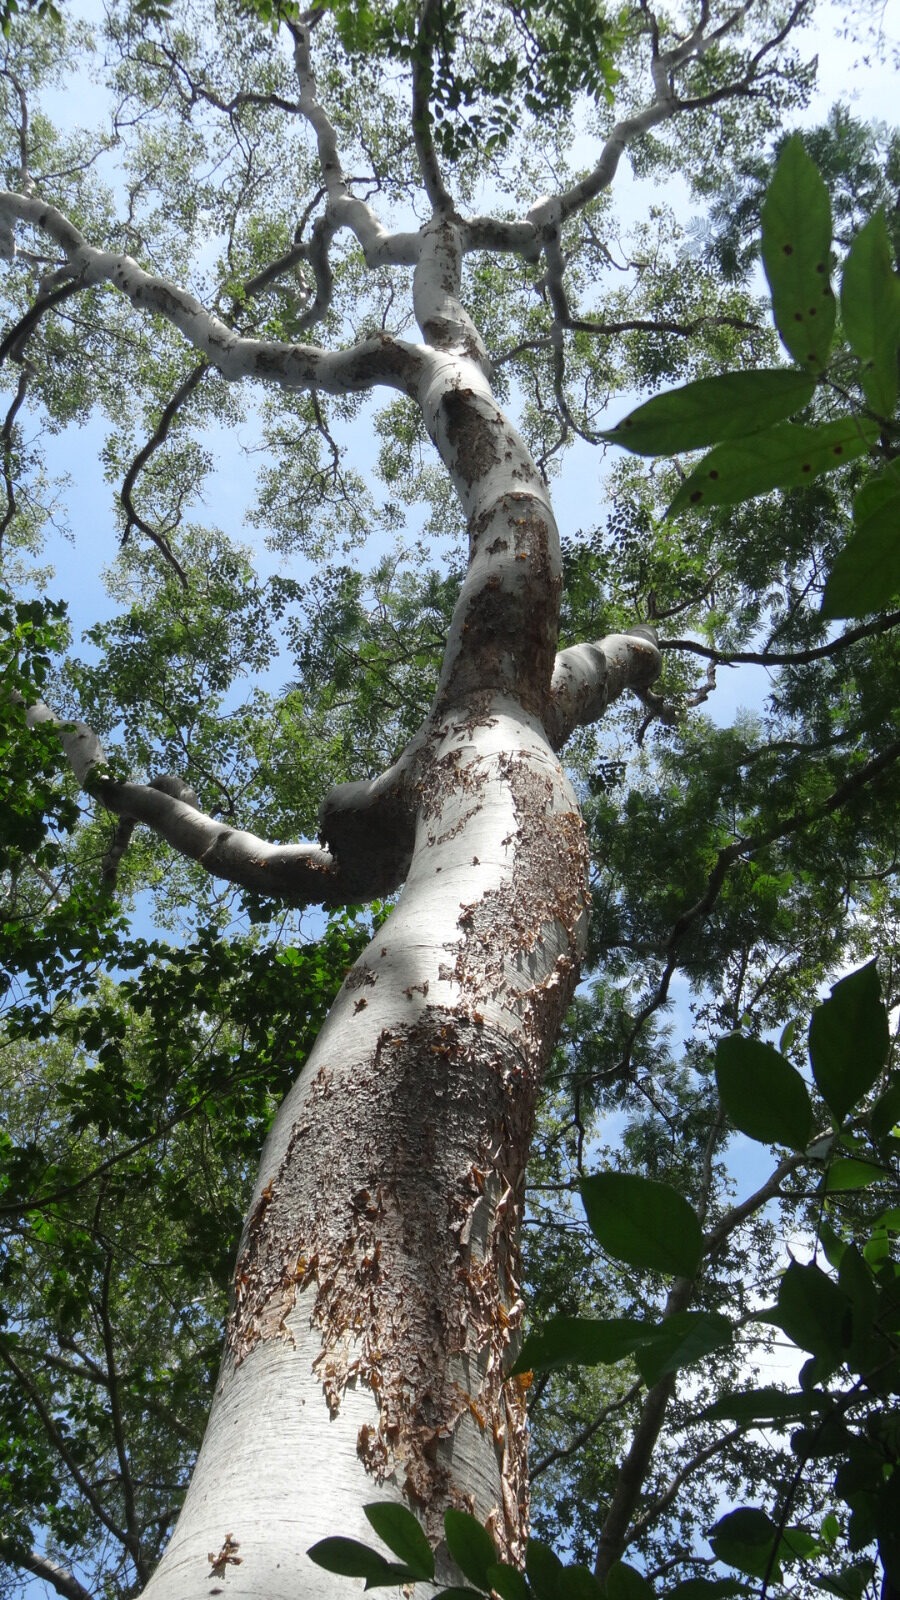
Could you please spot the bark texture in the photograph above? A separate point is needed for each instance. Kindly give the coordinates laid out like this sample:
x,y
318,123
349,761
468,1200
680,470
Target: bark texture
x,y
377,1281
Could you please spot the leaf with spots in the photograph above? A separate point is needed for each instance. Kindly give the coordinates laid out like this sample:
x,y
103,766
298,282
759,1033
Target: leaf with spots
x,y
870,309
796,249
727,406
784,457
867,572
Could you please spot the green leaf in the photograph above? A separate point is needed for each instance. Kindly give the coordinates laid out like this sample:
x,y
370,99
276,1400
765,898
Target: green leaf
x,y
403,1534
579,1342
457,1592
885,1113
624,1582
351,1559
849,1584
760,1405
577,1583
870,308
764,1096
813,1311
866,574
798,1544
745,1539
833,1245
508,1582
887,1526
848,1040
796,250
849,1174
642,1222
471,1546
682,1338
784,457
543,1569
729,406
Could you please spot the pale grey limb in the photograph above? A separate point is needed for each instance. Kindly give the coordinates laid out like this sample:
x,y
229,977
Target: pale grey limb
x,y
368,824
343,209
60,1578
429,166
380,360
588,677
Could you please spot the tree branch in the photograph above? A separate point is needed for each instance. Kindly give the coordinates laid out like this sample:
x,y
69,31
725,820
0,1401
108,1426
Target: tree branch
x,y
664,1500
344,210
58,1440
785,658
562,1452
429,167
588,677
362,366
369,824
132,1527
64,1582
745,848
133,519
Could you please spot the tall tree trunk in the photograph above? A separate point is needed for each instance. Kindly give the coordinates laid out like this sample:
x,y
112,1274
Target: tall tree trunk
x,y
376,1290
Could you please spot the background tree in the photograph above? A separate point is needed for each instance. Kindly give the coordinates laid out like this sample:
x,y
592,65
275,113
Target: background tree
x,y
252,186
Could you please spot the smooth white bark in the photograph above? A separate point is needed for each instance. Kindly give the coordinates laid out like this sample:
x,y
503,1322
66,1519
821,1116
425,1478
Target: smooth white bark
x,y
394,1168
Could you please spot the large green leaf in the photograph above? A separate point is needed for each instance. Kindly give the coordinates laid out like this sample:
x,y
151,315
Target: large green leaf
x,y
624,1582
745,1539
685,1337
848,1040
850,1173
578,1583
403,1534
544,1570
760,1405
351,1559
579,1342
764,1096
508,1582
850,1583
784,457
870,308
866,574
796,250
813,1311
642,1222
885,1113
728,406
471,1546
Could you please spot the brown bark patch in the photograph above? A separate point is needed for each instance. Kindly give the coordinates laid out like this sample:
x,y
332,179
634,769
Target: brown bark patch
x,y
471,435
407,1223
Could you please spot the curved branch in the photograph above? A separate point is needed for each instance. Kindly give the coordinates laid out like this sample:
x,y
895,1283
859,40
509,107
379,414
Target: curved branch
x,y
113,1388
422,75
664,1500
785,658
343,209
562,1452
64,1582
133,519
370,824
588,677
745,848
6,441
14,342
60,1444
379,360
